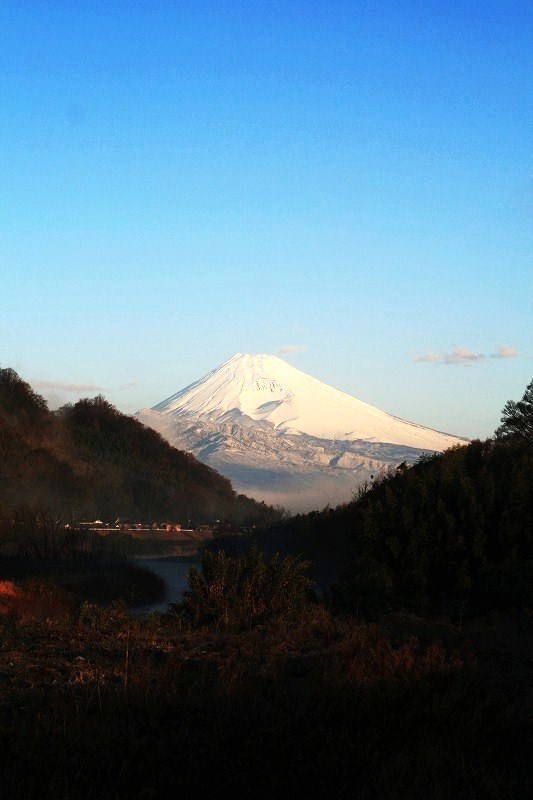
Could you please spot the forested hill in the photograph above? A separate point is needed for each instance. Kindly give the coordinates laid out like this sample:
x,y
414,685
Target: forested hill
x,y
91,460
452,534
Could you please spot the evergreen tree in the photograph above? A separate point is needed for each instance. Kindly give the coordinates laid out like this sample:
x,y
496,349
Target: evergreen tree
x,y
517,418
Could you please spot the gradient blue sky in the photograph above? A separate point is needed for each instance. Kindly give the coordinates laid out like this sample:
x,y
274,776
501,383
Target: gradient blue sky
x,y
185,180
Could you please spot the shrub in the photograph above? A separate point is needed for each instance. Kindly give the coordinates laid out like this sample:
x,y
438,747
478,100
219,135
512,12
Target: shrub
x,y
244,592
35,601
8,596
104,619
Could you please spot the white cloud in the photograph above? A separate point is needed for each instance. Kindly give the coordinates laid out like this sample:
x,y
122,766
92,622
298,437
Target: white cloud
x,y
462,355
428,357
505,351
66,387
291,349
465,356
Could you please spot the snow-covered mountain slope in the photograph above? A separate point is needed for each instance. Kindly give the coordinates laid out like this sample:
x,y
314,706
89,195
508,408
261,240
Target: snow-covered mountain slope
x,y
284,437
264,388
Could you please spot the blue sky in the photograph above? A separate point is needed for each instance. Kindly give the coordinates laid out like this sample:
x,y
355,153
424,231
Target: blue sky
x,y
186,180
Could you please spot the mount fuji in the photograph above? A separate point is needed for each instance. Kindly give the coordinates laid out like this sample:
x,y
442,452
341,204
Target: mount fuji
x,y
285,437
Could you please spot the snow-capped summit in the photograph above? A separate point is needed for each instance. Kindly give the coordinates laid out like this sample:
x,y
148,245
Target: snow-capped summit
x,y
284,437
265,390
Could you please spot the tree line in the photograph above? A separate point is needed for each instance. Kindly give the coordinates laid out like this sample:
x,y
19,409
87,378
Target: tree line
x,y
450,535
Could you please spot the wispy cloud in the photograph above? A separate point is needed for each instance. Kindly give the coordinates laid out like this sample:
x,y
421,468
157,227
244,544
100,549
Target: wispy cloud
x,y
291,349
129,385
462,355
59,386
505,351
427,357
465,356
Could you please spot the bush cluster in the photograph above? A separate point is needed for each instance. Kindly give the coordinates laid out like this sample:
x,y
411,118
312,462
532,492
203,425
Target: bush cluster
x,y
241,593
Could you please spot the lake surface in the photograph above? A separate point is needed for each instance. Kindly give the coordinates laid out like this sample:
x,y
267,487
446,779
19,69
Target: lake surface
x,y
174,570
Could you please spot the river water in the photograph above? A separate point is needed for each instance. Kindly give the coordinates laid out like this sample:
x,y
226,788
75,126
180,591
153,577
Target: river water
x,y
174,570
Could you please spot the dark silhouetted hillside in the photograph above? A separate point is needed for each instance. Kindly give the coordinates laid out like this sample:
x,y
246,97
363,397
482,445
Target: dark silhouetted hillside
x,y
450,535
90,459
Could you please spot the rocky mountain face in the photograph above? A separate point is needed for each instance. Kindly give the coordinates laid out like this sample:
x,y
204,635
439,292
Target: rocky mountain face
x,y
284,437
